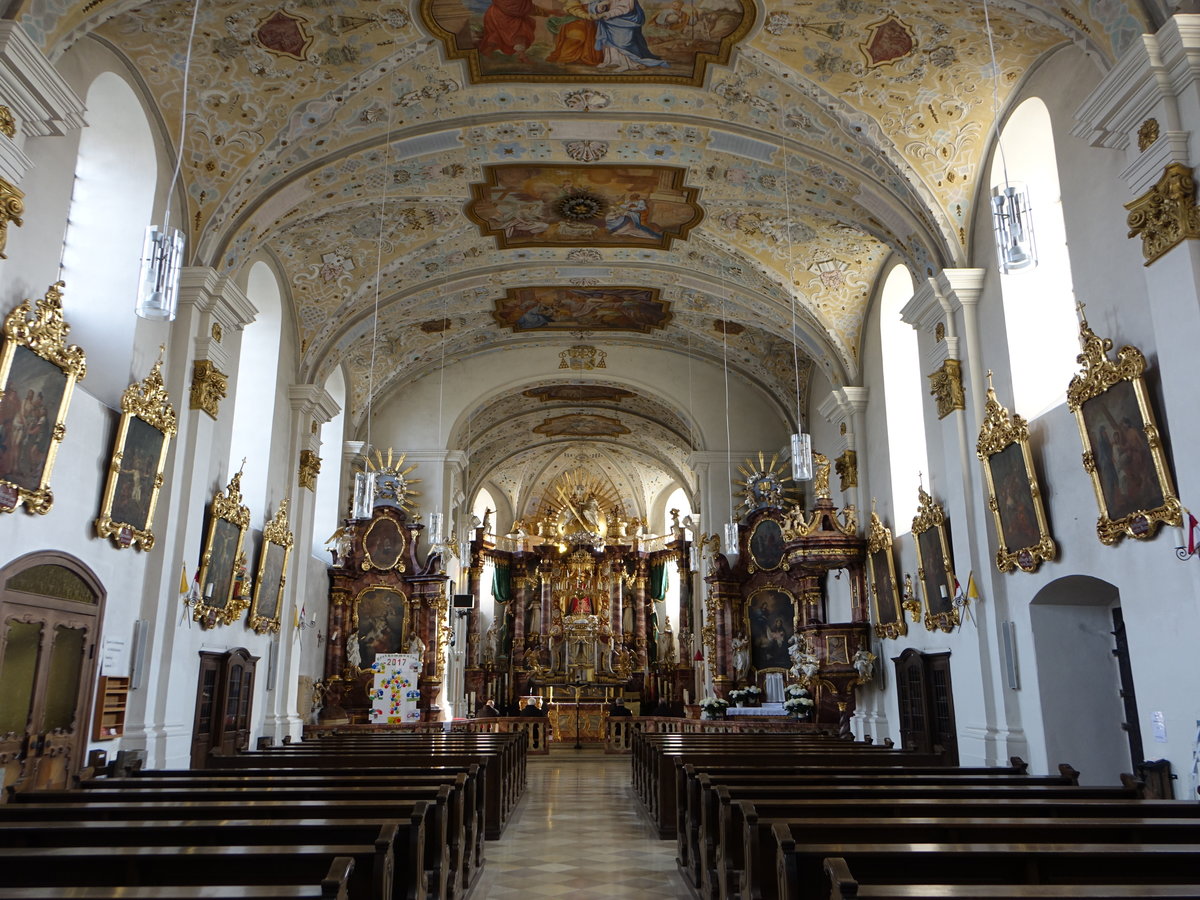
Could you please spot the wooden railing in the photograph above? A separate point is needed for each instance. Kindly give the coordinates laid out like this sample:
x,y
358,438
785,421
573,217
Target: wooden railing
x,y
619,737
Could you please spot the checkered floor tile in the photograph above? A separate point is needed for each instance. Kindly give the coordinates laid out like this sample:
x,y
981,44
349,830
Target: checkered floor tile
x,y
578,833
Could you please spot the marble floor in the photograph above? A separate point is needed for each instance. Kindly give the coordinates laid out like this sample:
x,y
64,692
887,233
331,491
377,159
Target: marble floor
x,y
579,833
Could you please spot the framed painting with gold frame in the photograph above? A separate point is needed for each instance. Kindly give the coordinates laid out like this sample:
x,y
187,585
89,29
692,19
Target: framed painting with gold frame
x,y
885,593
1014,496
766,546
38,371
135,472
223,591
770,622
1123,450
271,578
379,624
935,564
383,545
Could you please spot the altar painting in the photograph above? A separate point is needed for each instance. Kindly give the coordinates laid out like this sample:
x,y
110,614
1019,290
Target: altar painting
x,y
566,41
582,309
568,205
772,617
378,623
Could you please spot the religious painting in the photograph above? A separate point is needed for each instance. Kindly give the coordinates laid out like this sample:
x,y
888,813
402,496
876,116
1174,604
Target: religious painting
x,y
1123,450
577,393
581,425
383,545
582,309
272,573
885,592
563,205
771,622
38,372
569,41
378,625
1014,495
135,472
766,546
223,589
935,564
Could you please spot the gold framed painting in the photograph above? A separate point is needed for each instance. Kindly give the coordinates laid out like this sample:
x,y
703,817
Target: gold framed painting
x,y
38,371
935,564
135,472
223,589
1123,450
1014,495
885,593
271,578
770,622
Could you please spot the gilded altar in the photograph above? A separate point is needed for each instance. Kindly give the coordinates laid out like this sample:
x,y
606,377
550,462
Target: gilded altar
x,y
586,721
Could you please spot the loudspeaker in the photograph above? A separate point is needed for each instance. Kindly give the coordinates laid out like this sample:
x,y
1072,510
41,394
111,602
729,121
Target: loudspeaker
x,y
137,654
1009,631
464,601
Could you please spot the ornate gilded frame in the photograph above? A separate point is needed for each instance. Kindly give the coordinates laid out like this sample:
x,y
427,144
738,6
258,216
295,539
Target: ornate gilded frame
x,y
1013,490
144,436
882,565
935,564
34,345
1104,389
408,604
381,565
271,578
755,564
223,600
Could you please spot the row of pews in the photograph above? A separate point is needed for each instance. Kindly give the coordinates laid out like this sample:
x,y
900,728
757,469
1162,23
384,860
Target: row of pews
x,y
777,817
352,817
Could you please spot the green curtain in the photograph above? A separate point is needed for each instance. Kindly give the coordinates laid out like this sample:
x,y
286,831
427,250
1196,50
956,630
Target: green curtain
x,y
502,593
658,581
501,584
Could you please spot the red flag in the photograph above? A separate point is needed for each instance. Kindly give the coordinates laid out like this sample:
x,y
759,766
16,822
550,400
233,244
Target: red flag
x,y
1192,522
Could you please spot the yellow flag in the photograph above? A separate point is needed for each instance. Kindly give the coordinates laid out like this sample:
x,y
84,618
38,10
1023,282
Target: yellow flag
x,y
183,582
972,590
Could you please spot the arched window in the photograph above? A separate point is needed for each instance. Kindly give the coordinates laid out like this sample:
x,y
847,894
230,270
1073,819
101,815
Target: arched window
x,y
903,393
1039,301
483,502
329,510
111,205
677,500
254,405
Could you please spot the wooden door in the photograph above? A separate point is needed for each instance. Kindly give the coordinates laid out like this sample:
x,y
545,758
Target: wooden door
x,y
224,698
50,613
926,703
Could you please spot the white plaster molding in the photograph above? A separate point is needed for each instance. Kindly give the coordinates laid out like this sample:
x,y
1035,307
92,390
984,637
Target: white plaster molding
x,y
40,99
1133,90
13,163
219,301
313,401
962,287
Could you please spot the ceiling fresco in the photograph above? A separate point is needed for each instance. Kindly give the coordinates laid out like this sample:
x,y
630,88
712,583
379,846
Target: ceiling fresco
x,y
720,179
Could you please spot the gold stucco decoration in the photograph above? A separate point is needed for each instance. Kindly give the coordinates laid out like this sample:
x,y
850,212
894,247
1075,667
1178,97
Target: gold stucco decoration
x,y
1147,134
1166,214
8,125
847,469
209,386
310,468
946,385
12,205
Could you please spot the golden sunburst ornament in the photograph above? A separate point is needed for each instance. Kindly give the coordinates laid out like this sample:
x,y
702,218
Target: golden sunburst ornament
x,y
764,485
392,484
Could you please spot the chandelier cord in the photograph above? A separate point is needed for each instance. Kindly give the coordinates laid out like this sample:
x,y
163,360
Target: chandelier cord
x,y
383,198
788,268
725,366
987,24
187,74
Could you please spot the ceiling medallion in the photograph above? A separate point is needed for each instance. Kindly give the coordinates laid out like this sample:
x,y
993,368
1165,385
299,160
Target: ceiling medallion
x,y
586,151
582,357
580,206
887,41
283,34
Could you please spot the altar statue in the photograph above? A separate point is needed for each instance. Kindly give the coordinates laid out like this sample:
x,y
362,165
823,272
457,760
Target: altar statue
x,y
741,657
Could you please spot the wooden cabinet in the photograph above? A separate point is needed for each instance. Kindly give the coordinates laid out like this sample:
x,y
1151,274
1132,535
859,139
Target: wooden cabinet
x,y
223,695
111,699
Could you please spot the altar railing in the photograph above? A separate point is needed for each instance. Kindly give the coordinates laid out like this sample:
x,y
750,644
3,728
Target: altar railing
x,y
619,736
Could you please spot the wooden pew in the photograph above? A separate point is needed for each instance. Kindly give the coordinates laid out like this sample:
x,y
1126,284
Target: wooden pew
x,y
35,867
334,886
843,886
801,873
421,847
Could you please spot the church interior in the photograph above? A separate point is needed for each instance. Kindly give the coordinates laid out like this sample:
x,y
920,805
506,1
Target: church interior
x,y
373,365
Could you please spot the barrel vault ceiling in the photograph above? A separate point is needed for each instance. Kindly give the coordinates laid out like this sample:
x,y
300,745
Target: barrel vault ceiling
x,y
747,182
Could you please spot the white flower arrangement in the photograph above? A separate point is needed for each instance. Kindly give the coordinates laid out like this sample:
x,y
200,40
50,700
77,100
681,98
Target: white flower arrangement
x,y
739,695
754,691
796,690
797,705
713,704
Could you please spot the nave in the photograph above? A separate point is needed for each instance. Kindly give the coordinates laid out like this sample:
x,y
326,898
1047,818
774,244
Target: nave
x,y
578,832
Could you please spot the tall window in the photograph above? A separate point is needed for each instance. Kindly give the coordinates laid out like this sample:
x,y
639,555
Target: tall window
x,y
329,506
1039,301
903,393
678,500
483,502
254,406
112,201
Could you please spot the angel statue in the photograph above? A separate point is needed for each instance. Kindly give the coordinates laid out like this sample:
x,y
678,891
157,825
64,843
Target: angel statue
x,y
741,657
864,664
805,665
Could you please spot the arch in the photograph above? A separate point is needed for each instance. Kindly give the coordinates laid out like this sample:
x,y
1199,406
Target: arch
x,y
111,205
1079,690
903,395
254,403
327,507
1039,314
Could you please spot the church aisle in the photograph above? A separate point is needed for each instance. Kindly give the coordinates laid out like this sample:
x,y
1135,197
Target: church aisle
x,y
579,833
